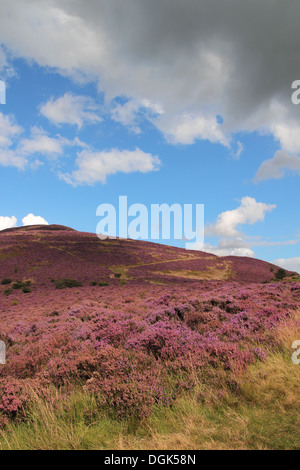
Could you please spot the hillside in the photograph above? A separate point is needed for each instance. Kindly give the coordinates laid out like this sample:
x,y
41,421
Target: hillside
x,y
42,253
101,335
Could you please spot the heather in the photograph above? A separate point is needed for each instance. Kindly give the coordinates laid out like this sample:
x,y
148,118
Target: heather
x,y
136,356
261,413
105,326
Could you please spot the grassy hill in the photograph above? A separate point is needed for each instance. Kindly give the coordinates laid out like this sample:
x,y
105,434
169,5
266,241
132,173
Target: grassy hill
x,y
125,344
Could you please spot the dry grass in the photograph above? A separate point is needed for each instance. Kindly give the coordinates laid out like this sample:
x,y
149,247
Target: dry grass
x,y
217,272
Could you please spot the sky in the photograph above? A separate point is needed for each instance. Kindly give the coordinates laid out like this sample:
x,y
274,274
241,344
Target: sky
x,y
182,101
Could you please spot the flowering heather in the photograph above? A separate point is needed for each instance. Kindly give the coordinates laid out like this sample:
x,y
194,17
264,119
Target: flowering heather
x,y
131,345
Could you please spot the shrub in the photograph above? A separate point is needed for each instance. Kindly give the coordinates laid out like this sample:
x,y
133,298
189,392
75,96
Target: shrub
x,y
17,285
93,283
6,281
7,292
103,283
26,289
63,283
280,274
22,285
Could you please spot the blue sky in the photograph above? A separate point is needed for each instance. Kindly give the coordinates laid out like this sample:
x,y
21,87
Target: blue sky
x,y
169,104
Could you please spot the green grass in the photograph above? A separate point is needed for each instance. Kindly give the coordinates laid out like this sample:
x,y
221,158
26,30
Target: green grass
x,y
263,414
260,412
70,425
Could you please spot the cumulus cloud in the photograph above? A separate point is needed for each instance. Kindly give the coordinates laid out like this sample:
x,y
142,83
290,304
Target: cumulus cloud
x,y
39,142
7,222
249,212
93,166
231,241
131,112
71,109
291,264
186,129
277,166
196,60
31,219
17,150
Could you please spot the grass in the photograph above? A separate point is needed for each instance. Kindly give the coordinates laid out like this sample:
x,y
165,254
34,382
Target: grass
x,y
261,413
218,272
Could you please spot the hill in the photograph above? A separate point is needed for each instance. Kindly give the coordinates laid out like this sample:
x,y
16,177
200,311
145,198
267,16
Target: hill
x,y
101,336
50,252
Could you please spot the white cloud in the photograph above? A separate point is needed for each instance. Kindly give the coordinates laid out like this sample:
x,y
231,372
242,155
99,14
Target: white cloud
x,y
249,212
41,143
126,113
225,247
7,222
277,166
71,109
133,111
231,242
96,166
186,129
16,150
9,157
288,135
31,219
9,129
291,264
